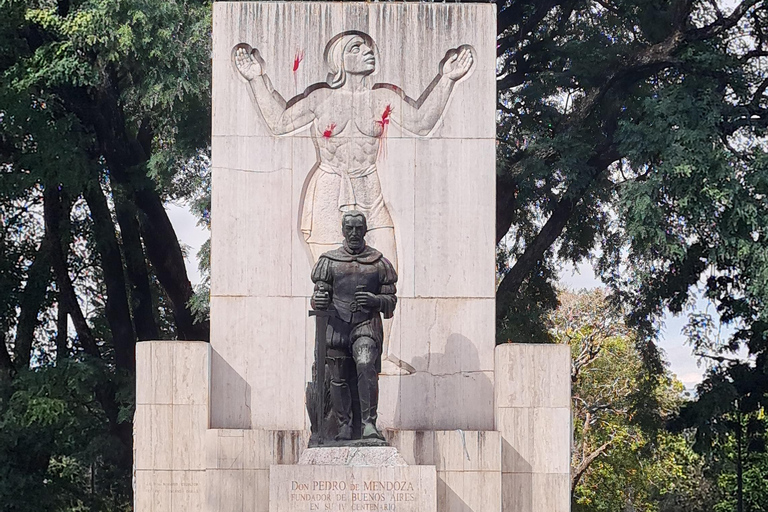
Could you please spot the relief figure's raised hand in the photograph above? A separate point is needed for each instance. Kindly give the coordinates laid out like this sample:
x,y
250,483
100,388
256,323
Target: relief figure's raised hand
x,y
457,63
248,61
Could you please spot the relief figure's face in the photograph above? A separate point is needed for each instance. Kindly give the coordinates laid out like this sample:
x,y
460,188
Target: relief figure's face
x,y
354,232
358,57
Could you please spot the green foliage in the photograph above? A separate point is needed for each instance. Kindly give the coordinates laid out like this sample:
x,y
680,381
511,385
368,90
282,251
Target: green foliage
x,y
620,461
104,106
56,444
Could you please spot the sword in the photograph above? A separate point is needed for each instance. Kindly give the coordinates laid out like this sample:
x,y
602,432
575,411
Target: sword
x,y
321,332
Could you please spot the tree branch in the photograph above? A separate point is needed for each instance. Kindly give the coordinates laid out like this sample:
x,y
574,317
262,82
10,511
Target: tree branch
x,y
56,218
723,24
38,278
579,471
118,313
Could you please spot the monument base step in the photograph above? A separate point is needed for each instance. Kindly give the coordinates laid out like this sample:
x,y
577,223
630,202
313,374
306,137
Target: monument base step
x,y
383,456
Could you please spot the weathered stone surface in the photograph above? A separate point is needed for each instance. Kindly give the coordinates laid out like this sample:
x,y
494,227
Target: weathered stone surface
x,y
468,465
227,449
169,425
379,456
533,416
438,187
349,488
169,491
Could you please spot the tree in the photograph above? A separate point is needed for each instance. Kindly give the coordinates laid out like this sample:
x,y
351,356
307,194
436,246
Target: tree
x,y
102,104
633,134
730,429
630,134
620,462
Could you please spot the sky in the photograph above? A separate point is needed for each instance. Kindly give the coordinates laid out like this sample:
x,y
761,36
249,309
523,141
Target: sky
x,y
682,362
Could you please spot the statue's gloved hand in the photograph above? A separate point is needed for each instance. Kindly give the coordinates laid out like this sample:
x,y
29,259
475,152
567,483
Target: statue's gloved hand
x,y
321,300
368,300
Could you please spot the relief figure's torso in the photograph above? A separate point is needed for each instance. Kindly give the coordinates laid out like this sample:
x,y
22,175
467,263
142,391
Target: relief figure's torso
x,y
348,127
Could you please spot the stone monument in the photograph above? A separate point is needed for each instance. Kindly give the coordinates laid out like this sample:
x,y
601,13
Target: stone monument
x,y
321,109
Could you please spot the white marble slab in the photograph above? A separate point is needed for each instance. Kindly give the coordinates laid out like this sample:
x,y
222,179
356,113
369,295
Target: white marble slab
x,y
348,488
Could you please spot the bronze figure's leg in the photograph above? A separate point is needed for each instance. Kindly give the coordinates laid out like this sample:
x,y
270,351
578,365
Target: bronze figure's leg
x,y
341,396
365,352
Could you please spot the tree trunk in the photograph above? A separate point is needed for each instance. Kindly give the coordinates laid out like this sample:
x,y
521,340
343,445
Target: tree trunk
x,y
136,267
7,370
167,260
38,278
55,215
739,467
62,326
117,310
126,155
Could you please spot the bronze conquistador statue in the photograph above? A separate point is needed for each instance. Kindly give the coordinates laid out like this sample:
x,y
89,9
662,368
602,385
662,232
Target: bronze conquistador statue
x,y
359,284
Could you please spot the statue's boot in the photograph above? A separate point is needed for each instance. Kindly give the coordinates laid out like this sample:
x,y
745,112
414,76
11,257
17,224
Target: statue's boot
x,y
368,389
341,397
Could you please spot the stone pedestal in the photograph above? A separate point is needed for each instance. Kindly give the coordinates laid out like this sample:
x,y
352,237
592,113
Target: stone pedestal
x,y
353,479
533,416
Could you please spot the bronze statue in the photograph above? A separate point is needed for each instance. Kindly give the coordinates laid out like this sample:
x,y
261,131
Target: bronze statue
x,y
354,287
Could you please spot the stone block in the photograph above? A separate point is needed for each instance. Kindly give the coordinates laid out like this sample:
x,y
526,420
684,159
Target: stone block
x,y
463,401
417,447
454,218
530,492
152,491
253,449
274,330
447,336
469,491
225,490
537,440
437,402
161,373
533,375
169,491
230,393
189,423
255,490
145,392
468,451
153,446
309,487
251,207
172,372
191,373
515,425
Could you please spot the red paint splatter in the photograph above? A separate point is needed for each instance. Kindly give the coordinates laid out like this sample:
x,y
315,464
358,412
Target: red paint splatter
x,y
385,116
329,131
297,60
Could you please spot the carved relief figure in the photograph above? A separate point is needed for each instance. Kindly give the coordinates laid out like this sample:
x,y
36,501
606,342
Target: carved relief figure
x,y
347,117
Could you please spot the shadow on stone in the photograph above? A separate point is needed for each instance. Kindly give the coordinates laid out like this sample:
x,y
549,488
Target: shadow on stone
x,y
449,395
517,487
230,397
449,500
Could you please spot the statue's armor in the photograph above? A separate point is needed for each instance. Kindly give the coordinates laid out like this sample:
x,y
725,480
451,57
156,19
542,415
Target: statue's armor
x,y
347,277
354,335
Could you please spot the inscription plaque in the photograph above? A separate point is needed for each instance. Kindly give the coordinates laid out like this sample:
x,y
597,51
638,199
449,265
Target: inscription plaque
x,y
351,489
